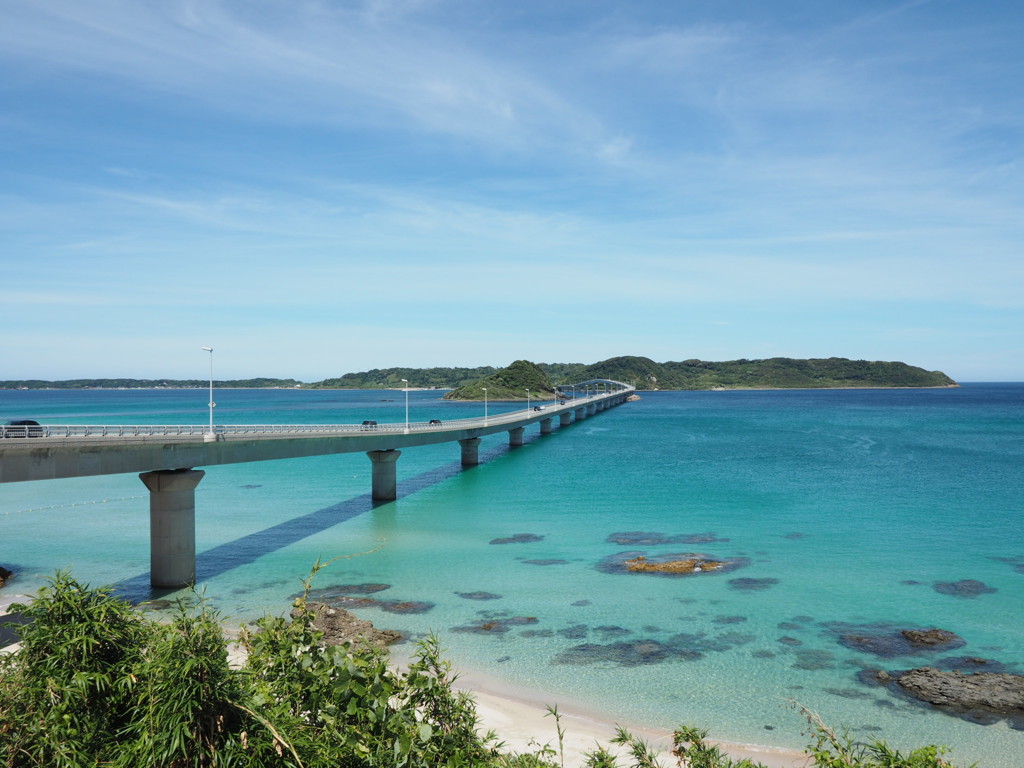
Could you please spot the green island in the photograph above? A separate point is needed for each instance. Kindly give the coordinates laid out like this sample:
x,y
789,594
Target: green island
x,y
511,382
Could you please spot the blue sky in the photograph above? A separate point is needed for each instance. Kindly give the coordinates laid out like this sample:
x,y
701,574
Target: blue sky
x,y
314,187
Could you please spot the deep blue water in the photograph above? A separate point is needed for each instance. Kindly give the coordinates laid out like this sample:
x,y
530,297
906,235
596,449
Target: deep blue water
x,y
850,512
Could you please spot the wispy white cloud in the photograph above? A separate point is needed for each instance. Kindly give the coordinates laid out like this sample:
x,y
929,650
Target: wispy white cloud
x,y
684,167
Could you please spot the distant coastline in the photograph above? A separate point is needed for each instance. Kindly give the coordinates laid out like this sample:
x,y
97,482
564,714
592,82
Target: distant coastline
x,y
640,372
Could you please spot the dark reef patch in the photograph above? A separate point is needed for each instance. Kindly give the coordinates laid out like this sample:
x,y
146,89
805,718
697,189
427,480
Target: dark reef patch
x,y
405,606
787,640
624,654
478,596
888,641
580,603
343,590
1017,562
495,626
648,539
964,588
794,535
813,659
575,632
519,538
549,561
752,585
612,631
729,620
537,633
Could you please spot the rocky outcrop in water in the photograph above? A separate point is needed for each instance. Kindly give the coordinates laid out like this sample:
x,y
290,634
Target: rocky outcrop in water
x,y
980,696
5,575
340,627
687,565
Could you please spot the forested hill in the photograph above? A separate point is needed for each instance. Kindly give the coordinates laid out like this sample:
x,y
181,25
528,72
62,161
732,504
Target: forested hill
x,y
773,373
644,373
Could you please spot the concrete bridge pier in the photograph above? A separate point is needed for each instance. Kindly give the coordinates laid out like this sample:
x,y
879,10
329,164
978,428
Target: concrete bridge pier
x,y
384,478
564,418
591,409
515,437
545,426
581,413
470,451
172,526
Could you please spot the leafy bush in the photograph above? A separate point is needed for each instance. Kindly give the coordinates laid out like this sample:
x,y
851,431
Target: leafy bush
x,y
97,684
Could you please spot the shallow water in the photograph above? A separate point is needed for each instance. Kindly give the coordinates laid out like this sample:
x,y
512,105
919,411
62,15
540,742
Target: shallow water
x,y
845,512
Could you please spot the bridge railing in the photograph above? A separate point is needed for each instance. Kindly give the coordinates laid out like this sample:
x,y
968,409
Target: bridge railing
x,y
193,430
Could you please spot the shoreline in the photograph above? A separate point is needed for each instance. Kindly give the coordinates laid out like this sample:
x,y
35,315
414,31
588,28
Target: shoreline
x,y
522,720
523,723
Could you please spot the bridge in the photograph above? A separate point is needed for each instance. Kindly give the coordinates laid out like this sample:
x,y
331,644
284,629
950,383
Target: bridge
x,y
166,457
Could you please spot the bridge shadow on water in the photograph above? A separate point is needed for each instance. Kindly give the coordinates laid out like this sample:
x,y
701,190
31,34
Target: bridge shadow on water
x,y
248,549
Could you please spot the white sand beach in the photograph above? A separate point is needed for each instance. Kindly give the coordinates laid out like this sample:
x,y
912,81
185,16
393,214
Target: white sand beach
x,y
525,724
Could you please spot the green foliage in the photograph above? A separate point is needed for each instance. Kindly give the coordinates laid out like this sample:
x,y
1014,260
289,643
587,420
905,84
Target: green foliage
x,y
95,683
774,373
832,750
508,383
71,684
690,747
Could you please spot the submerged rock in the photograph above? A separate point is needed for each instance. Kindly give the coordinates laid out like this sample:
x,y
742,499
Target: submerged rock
x,y
495,624
963,588
979,696
343,590
752,585
5,575
519,538
649,539
904,642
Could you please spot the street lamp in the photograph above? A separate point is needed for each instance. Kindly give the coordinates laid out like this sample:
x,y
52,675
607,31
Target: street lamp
x,y
211,435
527,399
485,406
406,382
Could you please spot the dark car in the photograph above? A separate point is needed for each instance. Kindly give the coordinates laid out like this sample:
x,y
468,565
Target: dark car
x,y
368,424
538,407
21,428
435,422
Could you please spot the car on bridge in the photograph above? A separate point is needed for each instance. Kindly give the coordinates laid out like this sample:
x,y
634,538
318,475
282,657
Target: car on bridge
x,y
21,428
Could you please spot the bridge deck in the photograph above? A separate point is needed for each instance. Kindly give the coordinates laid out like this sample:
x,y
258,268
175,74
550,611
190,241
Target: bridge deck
x,y
50,452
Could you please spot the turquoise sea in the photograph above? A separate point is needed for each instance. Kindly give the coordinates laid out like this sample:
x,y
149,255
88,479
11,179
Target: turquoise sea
x,y
848,513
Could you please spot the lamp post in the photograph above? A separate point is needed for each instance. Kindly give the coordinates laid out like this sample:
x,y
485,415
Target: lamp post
x,y
406,382
485,406
527,399
211,435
